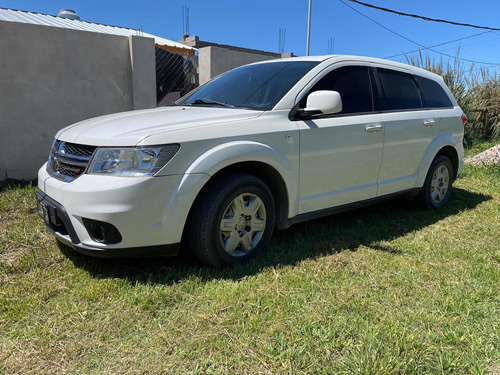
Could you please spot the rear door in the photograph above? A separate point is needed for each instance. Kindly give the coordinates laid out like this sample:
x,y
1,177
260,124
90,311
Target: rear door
x,y
409,129
435,98
340,154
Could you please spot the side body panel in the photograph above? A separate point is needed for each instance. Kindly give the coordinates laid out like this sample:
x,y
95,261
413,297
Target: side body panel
x,y
408,135
339,161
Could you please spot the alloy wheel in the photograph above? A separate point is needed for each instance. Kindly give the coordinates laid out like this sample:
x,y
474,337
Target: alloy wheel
x,y
243,224
440,184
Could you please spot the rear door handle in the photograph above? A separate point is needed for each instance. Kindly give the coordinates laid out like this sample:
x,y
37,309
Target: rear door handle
x,y
429,122
374,128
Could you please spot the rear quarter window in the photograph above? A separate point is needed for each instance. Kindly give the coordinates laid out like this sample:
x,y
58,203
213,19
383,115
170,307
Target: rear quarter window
x,y
433,95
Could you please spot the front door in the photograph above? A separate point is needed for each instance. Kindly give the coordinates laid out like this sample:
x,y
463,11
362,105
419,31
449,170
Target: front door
x,y
340,154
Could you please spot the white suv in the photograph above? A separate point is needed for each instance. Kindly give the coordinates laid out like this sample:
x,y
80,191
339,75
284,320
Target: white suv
x,y
263,146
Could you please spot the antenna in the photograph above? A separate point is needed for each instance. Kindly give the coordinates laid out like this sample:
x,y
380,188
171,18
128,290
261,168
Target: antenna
x,y
281,40
331,46
309,27
185,20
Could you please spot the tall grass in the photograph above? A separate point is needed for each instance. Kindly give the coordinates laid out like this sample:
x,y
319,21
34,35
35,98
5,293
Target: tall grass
x,y
477,92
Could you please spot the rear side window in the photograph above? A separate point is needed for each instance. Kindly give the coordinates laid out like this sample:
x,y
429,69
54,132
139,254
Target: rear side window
x,y
399,91
433,95
353,85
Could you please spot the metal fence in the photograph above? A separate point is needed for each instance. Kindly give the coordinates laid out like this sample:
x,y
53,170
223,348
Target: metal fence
x,y
176,75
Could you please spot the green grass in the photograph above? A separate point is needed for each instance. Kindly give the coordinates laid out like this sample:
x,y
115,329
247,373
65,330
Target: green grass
x,y
388,289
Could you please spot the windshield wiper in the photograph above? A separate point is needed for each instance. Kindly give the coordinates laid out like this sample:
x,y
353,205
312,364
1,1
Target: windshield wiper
x,y
208,101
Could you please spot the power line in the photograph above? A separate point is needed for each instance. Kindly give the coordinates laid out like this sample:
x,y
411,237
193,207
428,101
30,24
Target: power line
x,y
471,44
440,44
418,44
425,18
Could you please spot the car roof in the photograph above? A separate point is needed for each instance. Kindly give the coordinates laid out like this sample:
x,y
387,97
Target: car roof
x,y
352,58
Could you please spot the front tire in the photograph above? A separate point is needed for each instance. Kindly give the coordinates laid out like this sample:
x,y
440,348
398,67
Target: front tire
x,y
438,183
232,221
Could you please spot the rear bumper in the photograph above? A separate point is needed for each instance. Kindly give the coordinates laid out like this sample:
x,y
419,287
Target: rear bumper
x,y
60,225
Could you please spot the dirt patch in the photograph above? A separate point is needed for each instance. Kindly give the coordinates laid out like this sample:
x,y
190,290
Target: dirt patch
x,y
488,157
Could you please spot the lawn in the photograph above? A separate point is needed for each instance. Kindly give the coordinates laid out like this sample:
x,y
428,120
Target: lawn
x,y
387,289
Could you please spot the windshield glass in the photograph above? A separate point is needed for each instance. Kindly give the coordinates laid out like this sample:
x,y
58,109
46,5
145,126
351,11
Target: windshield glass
x,y
258,86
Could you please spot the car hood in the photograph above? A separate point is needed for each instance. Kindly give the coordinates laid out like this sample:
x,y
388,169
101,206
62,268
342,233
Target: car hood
x,y
129,128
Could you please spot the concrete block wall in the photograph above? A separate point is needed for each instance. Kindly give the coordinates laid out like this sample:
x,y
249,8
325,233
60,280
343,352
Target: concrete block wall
x,y
53,77
215,59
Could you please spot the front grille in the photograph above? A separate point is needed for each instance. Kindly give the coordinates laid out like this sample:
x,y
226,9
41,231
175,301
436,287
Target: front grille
x,y
79,150
67,161
69,170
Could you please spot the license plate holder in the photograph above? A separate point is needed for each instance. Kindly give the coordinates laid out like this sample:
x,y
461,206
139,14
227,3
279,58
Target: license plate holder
x,y
43,210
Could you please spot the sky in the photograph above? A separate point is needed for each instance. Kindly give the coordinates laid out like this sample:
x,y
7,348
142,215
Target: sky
x,y
256,24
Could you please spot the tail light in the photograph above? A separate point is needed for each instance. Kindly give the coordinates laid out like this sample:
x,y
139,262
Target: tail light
x,y
464,118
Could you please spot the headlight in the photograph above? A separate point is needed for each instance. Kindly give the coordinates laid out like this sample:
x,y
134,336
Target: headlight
x,y
141,161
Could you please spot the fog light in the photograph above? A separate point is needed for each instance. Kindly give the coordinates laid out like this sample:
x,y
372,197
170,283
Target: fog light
x,y
102,232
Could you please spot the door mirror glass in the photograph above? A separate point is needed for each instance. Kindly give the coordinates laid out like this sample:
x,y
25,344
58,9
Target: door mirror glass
x,y
323,102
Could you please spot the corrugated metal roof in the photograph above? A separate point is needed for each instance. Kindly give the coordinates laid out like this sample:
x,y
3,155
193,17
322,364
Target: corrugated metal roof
x,y
66,23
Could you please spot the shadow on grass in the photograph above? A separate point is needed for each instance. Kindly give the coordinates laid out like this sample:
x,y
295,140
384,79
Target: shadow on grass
x,y
347,231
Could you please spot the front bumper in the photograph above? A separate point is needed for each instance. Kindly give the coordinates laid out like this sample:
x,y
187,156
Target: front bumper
x,y
59,224
149,212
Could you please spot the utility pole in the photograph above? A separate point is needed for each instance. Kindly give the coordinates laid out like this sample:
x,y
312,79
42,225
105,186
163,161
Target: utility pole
x,y
309,27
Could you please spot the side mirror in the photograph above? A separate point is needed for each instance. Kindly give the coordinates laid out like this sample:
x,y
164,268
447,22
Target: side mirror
x,y
323,102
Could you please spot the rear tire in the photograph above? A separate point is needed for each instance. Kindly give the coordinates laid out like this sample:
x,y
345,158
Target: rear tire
x,y
232,221
438,184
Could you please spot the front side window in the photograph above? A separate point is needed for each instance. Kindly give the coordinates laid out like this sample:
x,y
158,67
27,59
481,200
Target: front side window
x,y
399,91
353,85
258,86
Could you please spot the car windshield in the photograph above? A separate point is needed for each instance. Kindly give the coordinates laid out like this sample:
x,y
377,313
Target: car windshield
x,y
258,86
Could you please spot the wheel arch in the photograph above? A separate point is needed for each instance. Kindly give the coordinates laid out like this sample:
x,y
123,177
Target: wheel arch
x,y
272,178
262,160
265,172
443,144
452,154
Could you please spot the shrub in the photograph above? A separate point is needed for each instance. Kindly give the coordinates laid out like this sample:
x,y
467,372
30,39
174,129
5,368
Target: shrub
x,y
477,92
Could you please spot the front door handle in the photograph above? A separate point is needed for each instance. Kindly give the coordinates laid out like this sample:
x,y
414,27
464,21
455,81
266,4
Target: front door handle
x,y
429,122
374,128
